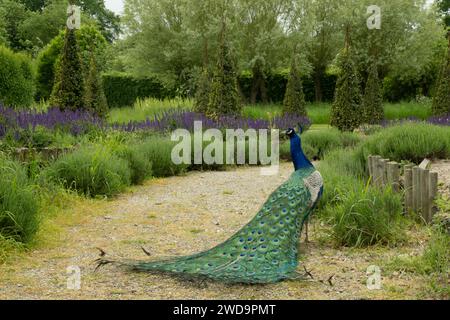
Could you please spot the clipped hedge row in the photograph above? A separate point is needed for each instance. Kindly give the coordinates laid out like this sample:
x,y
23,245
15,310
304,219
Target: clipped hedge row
x,y
123,90
16,79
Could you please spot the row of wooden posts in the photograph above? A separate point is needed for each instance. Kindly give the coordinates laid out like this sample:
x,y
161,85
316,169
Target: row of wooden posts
x,y
419,184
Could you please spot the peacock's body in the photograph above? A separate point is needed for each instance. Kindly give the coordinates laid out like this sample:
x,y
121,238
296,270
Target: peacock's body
x,y
265,250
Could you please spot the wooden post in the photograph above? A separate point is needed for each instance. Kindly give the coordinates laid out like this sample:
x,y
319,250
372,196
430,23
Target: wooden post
x,y
376,170
408,189
425,193
370,165
384,179
433,193
393,175
415,188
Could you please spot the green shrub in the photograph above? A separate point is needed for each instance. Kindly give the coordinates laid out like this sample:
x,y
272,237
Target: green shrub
x,y
346,109
294,99
18,204
411,141
92,170
88,38
367,217
342,173
158,151
16,79
373,98
441,99
95,99
68,89
224,97
140,165
322,141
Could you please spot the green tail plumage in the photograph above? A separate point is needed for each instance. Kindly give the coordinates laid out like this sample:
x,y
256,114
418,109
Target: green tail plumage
x,y
263,251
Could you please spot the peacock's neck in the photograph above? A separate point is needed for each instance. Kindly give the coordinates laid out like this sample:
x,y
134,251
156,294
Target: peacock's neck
x,y
298,156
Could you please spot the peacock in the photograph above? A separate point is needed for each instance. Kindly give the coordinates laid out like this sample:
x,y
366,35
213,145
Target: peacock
x,y
264,250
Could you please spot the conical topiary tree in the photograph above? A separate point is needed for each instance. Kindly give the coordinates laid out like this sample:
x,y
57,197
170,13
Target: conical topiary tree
x,y
346,109
294,98
441,99
202,93
68,90
95,99
373,97
224,96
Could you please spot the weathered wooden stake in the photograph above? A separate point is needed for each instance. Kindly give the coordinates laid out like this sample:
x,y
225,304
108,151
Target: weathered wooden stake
x,y
425,193
408,189
433,194
370,165
393,175
377,176
416,188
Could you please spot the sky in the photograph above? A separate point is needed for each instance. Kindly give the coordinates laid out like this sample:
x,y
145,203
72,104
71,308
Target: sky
x,y
115,5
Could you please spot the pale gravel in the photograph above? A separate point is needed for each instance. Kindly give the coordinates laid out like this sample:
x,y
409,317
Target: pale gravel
x,y
183,215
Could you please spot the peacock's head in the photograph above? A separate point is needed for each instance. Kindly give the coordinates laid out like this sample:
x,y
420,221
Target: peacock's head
x,y
290,132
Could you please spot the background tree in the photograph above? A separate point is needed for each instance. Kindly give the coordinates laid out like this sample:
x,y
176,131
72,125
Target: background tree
x,y
441,100
203,91
68,90
294,99
88,38
444,10
95,99
224,95
373,97
346,108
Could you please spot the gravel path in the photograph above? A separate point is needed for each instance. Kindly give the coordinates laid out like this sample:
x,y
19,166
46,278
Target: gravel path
x,y
179,216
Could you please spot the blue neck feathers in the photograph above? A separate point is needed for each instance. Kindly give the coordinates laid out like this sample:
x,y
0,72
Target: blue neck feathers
x,y
298,157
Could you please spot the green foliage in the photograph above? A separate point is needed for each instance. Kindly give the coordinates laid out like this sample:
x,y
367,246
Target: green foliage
x,y
88,39
324,141
434,262
140,165
294,99
68,90
346,109
224,95
91,170
412,142
373,98
123,90
367,217
18,204
16,79
95,99
441,100
158,150
203,91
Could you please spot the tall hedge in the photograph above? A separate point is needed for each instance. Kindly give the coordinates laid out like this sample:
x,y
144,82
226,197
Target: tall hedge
x,y
201,99
294,99
95,99
88,38
373,98
122,89
346,108
16,79
441,99
224,95
68,90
